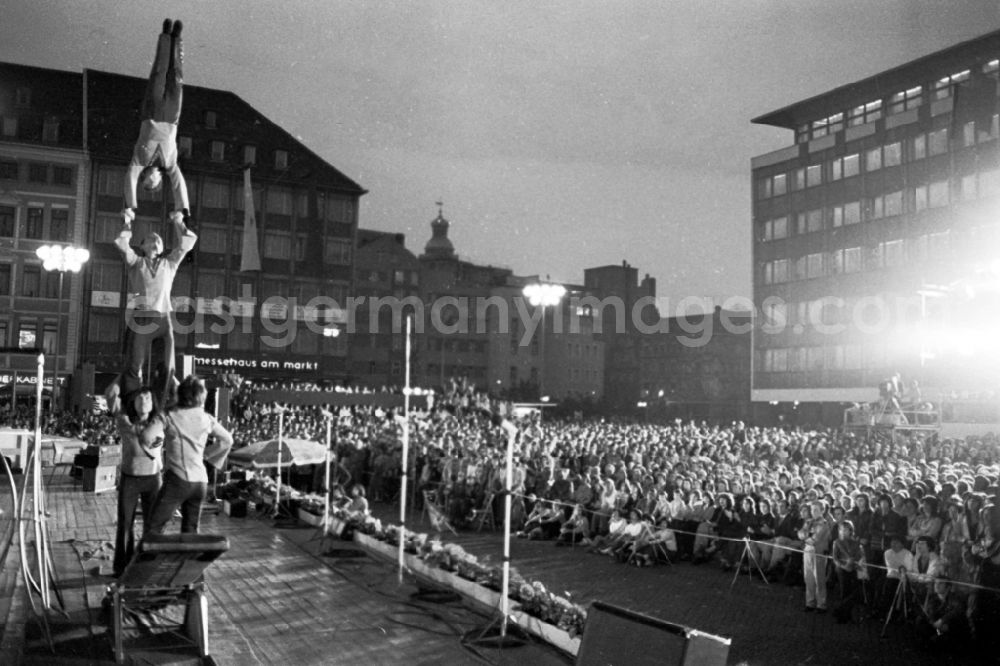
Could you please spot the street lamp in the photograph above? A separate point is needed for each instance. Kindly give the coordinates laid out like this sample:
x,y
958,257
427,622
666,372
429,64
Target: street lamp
x,y
543,295
60,258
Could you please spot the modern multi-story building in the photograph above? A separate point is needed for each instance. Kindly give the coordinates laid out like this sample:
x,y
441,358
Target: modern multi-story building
x,y
44,179
284,321
387,282
884,202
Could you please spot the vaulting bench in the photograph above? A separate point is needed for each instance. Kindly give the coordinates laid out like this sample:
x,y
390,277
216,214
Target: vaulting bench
x,y
167,570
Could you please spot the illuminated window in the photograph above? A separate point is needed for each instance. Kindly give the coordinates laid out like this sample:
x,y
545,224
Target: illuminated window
x,y
906,99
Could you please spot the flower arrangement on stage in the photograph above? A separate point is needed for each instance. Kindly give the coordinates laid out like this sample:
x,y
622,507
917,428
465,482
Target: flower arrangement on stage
x,y
535,599
551,608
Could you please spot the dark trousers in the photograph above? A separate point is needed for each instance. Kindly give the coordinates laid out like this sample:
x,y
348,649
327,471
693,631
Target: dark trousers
x,y
177,493
143,331
165,90
131,491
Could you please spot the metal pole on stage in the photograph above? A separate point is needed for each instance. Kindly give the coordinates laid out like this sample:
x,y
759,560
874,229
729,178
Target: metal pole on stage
x,y
508,487
281,438
326,477
41,543
406,450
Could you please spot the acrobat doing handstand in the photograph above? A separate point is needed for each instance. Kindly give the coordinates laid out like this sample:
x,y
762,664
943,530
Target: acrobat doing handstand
x,y
151,275
156,148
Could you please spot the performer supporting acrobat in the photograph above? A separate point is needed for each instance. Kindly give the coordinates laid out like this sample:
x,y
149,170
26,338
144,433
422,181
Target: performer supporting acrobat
x,y
156,148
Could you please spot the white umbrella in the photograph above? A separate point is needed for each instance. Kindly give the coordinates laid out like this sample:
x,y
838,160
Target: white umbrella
x,y
265,454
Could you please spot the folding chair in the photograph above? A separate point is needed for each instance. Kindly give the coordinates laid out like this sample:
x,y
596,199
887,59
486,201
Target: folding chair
x,y
484,515
434,514
166,571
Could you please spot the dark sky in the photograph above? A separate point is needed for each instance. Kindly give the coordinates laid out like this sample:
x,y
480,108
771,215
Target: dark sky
x,y
560,135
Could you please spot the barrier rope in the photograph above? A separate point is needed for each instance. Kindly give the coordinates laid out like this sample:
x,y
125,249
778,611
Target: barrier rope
x,y
772,545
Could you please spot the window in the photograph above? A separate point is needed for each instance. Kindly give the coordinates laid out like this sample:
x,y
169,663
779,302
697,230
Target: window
x,y
49,337
845,167
50,284
33,223
814,175
59,224
772,186
213,239
339,209
8,215
38,173
873,159
905,100
8,170
937,142
809,222
892,154
301,246
969,134
989,182
108,228
848,213
5,276
281,159
938,195
893,254
775,272
809,266
866,113
215,194
967,187
9,126
218,151
852,260
277,245
919,147
771,230
4,334
258,193
22,97
27,335
184,146
50,130
62,175
799,181
111,182
31,281
920,198
106,276
103,327
824,126
249,155
944,86
775,360
279,201
337,251
211,120
885,205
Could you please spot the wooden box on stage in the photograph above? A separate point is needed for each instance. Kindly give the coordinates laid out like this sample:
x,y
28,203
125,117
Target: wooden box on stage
x,y
99,479
235,508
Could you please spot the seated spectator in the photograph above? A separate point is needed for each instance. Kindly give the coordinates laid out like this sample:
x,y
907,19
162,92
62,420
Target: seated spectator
x,y
357,508
576,529
926,566
944,627
656,543
615,527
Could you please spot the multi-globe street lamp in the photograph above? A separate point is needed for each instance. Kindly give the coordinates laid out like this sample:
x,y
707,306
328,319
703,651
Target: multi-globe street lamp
x,y
60,258
543,295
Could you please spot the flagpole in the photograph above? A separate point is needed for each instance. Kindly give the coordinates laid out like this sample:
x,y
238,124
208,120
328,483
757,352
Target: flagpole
x,y
406,450
281,431
505,583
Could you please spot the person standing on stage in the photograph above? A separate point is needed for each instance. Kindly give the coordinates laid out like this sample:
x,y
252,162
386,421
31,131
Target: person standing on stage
x,y
141,467
151,278
187,428
156,147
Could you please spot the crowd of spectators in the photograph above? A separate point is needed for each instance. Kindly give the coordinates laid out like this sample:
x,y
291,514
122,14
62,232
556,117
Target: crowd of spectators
x,y
870,520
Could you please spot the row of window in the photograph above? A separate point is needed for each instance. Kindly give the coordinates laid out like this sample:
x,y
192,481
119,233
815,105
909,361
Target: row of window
x,y
32,282
276,244
829,357
37,222
936,194
220,151
888,155
399,277
897,102
38,173
29,334
887,254
105,328
219,195
12,127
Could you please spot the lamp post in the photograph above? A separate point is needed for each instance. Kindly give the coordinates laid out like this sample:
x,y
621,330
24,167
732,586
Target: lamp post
x,y
60,258
542,295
